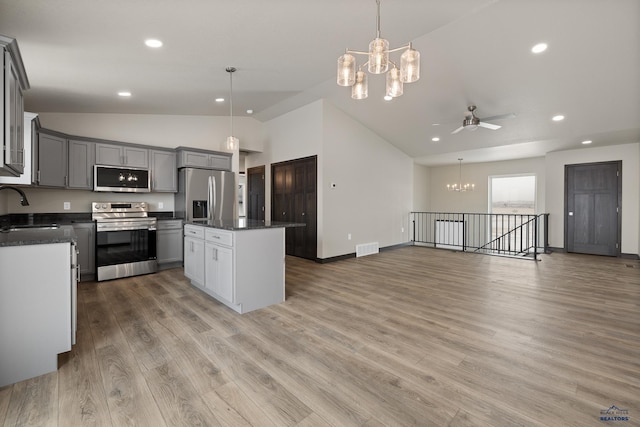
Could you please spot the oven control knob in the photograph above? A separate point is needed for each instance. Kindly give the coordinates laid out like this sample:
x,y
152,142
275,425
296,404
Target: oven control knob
x,y
142,205
104,206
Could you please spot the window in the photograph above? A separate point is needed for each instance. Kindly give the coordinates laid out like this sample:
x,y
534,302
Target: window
x,y
514,194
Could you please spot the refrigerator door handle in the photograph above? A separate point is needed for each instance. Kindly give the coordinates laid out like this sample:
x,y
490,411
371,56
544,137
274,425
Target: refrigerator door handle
x,y
214,207
210,198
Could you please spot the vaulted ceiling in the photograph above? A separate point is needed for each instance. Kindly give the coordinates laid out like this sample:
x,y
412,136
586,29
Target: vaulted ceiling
x,y
78,54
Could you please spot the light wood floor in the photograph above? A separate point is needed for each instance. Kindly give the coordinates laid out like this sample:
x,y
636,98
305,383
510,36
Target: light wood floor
x,y
412,336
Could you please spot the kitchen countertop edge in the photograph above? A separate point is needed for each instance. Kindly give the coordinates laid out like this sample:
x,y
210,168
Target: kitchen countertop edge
x,y
25,237
242,225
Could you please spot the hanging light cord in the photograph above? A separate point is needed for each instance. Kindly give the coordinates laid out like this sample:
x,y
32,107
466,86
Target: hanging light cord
x,y
231,70
378,20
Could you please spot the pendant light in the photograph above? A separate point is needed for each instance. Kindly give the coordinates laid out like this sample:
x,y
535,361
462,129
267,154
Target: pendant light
x,y
459,186
379,62
232,142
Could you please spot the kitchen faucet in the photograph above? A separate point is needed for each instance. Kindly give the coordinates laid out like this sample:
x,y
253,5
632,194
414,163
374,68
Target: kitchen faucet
x,y
23,197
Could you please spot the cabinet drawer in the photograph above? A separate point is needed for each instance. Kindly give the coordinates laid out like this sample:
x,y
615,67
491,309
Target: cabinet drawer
x,y
194,231
220,237
171,224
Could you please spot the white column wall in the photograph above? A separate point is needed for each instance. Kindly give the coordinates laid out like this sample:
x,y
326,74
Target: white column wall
x,y
373,192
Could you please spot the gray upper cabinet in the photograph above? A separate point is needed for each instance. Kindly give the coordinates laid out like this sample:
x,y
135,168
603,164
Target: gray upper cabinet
x,y
81,155
14,82
121,155
52,160
164,173
203,159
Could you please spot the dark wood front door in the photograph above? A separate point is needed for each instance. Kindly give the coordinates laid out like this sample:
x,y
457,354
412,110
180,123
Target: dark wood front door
x,y
256,191
593,200
294,200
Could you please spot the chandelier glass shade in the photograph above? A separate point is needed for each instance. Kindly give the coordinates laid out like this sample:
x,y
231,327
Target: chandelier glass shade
x,y
379,62
460,186
232,142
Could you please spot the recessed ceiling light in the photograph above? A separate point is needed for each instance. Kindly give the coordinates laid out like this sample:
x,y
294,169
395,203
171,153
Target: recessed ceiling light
x,y
219,99
558,118
249,111
539,48
388,97
124,94
588,141
155,43
435,124
435,139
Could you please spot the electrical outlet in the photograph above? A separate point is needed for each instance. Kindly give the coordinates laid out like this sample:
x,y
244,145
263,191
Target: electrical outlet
x,y
349,236
402,230
67,206
160,205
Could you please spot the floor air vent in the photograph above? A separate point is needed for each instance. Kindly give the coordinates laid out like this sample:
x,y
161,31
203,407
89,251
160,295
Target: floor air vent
x,y
367,249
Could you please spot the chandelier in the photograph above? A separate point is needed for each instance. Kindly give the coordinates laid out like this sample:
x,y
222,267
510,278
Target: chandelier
x,y
459,186
232,141
378,63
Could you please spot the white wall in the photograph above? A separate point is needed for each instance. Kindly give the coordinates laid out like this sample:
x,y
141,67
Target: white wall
x,y
442,200
421,188
374,187
206,132
630,156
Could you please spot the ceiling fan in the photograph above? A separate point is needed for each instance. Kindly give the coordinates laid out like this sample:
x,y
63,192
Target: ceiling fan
x,y
471,122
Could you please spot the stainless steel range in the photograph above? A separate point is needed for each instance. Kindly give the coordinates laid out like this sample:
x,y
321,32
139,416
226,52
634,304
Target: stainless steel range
x,y
125,239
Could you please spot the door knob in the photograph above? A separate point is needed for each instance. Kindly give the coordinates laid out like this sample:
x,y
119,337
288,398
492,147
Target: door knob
x,y
302,213
282,213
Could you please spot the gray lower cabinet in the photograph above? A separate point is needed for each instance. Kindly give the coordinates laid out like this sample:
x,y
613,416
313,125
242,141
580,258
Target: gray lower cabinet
x,y
121,155
51,160
86,241
81,155
169,243
164,173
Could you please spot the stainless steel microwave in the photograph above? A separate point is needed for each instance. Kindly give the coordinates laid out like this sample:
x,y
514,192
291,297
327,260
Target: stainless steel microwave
x,y
119,179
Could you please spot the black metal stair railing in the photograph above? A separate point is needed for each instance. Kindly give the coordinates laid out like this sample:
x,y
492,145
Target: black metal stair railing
x,y
496,234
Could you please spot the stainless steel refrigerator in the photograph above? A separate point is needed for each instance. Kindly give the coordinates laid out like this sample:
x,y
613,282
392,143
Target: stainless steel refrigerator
x,y
206,194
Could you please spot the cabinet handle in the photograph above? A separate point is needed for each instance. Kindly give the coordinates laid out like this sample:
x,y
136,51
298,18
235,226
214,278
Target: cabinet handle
x,y
302,213
282,213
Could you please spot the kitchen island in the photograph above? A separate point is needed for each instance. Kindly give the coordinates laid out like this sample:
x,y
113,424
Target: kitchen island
x,y
241,263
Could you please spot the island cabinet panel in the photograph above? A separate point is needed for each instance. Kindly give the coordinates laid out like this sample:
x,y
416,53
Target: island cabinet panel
x,y
194,253
243,269
36,309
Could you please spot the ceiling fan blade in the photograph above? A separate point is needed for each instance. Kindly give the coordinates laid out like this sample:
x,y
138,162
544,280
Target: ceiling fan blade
x,y
489,126
499,117
457,130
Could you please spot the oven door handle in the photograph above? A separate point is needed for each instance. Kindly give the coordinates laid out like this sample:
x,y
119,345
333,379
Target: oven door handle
x,y
110,227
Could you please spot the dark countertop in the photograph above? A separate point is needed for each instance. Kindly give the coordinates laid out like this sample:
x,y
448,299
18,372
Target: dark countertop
x,y
244,224
37,236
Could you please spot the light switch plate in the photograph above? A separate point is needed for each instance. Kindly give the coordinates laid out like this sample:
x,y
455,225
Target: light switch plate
x,y
67,206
